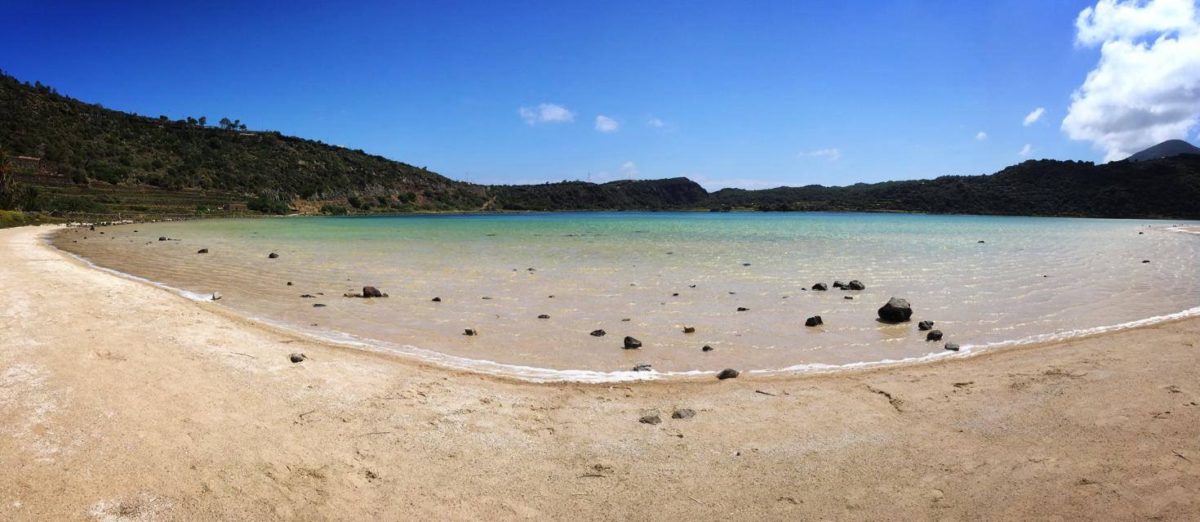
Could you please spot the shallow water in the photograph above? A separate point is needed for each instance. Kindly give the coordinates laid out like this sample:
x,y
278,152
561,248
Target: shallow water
x,y
620,272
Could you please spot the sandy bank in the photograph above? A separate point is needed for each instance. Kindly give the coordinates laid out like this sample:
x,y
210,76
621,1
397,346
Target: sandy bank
x,y
118,399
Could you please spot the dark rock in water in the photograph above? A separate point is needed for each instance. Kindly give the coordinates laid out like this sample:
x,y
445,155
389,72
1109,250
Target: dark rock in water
x,y
642,368
272,255
202,251
814,321
839,284
307,296
297,357
437,299
162,238
689,329
599,333
216,296
1139,233
745,264
543,316
550,297
631,343
728,373
706,348
981,241
683,413
935,335
651,419
820,287
626,320
896,310
925,325
370,291
289,283
855,285
952,347
1145,261
486,298
92,228
469,332
691,286
848,297
743,309
676,294
318,305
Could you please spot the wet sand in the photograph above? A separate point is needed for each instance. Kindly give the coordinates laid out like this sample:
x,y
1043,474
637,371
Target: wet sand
x,y
121,400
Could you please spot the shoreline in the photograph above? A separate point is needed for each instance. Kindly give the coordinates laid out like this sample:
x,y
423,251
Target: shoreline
x,y
119,400
539,375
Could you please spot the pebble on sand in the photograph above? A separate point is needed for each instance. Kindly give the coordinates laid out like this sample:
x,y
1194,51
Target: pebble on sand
x,y
728,373
297,357
683,413
650,418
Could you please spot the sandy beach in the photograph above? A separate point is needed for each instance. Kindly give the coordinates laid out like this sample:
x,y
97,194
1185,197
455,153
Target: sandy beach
x,y
122,401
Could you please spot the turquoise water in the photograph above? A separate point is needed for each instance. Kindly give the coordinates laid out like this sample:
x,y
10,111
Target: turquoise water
x,y
648,275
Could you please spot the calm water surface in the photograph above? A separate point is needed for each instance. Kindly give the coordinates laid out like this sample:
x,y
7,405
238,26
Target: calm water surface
x,y
650,274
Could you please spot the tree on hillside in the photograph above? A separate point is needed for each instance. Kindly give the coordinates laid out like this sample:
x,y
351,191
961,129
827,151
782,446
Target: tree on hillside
x,y
225,123
203,120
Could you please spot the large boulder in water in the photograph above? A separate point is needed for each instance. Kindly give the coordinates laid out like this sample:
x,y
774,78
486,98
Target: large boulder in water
x,y
855,285
370,291
897,310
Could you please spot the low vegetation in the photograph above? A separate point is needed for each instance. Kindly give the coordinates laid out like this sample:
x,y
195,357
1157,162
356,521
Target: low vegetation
x,y
69,159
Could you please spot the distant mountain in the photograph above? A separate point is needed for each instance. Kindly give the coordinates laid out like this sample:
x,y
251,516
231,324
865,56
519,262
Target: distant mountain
x,y
76,160
1165,149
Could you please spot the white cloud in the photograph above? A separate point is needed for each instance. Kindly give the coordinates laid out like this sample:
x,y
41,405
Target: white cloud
x,y
606,124
826,154
546,113
656,123
1146,87
982,136
1026,151
629,170
1034,116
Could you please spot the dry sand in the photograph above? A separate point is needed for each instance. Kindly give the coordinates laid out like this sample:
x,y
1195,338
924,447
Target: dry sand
x,y
121,401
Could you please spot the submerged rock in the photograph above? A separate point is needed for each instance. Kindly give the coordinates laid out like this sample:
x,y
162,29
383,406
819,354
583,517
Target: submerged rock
x,y
706,348
935,335
599,333
437,299
743,309
689,329
543,316
728,373
855,285
470,332
650,418
297,357
839,284
160,238
202,251
272,255
631,343
952,347
642,368
820,287
318,305
925,325
814,321
897,310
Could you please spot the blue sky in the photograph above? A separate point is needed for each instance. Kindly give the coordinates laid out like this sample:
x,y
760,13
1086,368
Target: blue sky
x,y
750,94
